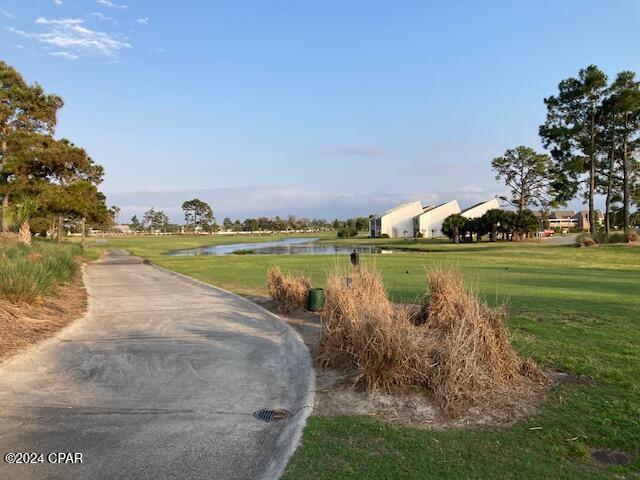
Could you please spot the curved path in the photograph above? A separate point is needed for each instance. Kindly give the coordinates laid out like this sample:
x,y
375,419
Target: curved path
x,y
159,380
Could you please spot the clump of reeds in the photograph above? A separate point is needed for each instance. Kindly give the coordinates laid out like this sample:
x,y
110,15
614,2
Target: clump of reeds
x,y
28,273
585,240
290,292
459,349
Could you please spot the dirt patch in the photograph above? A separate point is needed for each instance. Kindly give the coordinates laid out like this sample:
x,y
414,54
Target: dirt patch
x,y
22,325
610,457
338,393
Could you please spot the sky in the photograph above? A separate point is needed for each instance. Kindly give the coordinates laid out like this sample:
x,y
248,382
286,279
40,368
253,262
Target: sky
x,y
326,108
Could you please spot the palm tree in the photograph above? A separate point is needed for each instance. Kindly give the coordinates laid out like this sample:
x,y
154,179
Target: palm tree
x,y
452,225
20,212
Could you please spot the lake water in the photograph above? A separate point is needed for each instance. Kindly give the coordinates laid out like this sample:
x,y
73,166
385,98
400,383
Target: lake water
x,y
286,246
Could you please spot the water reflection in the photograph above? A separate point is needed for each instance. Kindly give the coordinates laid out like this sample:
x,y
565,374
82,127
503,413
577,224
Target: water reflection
x,y
286,246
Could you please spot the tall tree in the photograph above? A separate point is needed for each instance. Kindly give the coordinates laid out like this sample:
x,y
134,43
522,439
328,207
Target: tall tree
x,y
624,106
23,108
115,212
198,214
571,131
155,220
528,175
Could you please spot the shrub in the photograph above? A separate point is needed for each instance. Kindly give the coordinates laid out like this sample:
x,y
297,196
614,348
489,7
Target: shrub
x,y
28,273
460,350
632,236
289,291
585,240
347,232
385,235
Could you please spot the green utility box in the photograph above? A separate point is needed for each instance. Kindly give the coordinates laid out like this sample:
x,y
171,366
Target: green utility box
x,y
315,299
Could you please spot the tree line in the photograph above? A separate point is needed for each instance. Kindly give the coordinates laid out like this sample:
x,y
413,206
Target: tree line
x,y
592,134
512,225
45,183
199,217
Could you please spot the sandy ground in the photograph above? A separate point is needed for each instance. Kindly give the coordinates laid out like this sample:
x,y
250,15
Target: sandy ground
x,y
336,395
24,325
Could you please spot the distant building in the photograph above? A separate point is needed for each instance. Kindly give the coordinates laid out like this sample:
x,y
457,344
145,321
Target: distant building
x,y
567,219
123,228
479,209
409,219
429,222
582,219
396,222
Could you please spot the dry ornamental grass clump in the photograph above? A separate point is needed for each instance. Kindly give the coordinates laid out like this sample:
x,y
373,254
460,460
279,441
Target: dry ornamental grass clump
x,y
289,291
458,349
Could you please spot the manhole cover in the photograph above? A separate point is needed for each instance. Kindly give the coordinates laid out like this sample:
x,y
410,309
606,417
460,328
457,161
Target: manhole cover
x,y
269,415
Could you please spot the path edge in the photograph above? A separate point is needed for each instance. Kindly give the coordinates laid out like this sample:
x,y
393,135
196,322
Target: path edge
x,y
294,430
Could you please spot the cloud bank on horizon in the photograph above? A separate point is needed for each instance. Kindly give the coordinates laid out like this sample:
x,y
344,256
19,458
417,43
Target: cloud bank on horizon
x,y
269,201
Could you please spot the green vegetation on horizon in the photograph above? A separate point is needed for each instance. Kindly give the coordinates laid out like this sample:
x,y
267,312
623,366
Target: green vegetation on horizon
x,y
575,310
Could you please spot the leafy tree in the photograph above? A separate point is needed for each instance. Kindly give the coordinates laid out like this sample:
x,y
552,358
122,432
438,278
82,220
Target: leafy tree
x,y
24,108
491,221
452,225
473,226
528,175
115,212
227,223
155,220
135,224
525,223
197,214
571,130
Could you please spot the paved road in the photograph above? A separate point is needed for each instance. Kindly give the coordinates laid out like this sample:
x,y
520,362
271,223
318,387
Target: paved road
x,y
561,239
159,380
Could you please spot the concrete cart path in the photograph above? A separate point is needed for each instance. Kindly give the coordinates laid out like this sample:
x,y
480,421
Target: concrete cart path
x,y
159,380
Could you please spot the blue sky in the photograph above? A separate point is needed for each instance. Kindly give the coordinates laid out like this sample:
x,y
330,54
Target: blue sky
x,y
328,108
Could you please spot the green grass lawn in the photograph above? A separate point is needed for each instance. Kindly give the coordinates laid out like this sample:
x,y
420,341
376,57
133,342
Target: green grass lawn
x,y
577,310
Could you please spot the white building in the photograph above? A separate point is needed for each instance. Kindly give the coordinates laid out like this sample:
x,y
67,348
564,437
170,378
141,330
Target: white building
x,y
481,208
429,222
409,219
397,222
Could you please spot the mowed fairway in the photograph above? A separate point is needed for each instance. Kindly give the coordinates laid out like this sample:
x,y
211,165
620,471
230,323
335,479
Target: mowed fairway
x,y
575,310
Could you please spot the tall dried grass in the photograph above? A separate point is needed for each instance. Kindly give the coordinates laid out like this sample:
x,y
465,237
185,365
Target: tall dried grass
x,y
289,291
459,349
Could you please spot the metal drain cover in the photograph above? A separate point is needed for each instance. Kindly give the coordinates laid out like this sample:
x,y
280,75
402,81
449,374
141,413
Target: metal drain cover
x,y
269,415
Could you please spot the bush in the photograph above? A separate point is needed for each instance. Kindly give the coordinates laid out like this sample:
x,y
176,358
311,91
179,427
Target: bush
x,y
289,291
632,236
616,237
347,232
28,273
384,235
585,240
459,349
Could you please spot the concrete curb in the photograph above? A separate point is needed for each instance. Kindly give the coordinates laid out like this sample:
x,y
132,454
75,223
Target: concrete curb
x,y
291,435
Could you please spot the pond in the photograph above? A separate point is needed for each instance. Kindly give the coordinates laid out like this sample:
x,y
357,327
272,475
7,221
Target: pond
x,y
286,246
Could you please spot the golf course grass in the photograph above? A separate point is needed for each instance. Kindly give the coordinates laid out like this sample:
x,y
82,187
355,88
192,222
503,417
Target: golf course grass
x,y
574,310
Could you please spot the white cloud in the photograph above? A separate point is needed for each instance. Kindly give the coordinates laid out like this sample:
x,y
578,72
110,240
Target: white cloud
x,y
103,17
7,14
159,50
110,4
143,21
67,55
71,36
62,21
57,2
19,46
